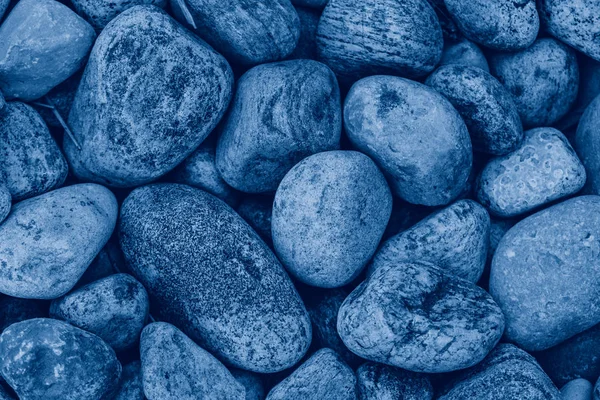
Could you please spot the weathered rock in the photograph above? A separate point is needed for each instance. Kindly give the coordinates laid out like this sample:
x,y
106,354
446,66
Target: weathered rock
x,y
150,94
5,201
464,52
14,310
587,143
307,43
578,389
99,12
251,382
130,386
48,359
415,135
381,382
257,211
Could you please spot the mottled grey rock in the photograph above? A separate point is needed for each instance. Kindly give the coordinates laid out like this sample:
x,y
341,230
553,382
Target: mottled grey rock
x,y
47,359
587,145
505,25
416,317
487,108
13,309
307,43
248,32
329,214
114,308
464,52
5,201
358,38
544,168
322,376
150,94
383,382
48,241
543,80
251,382
281,113
130,386
31,160
310,3
456,239
578,389
545,271
415,135
257,211
100,12
210,274
175,368
42,43
507,373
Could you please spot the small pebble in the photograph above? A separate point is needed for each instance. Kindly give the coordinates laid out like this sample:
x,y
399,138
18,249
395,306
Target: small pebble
x,y
382,382
578,389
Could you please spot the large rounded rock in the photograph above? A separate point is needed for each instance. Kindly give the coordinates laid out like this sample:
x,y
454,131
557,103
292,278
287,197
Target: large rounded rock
x,y
416,317
381,382
48,241
415,135
210,274
329,214
99,12
545,271
358,38
587,145
281,113
464,52
150,94
52,360
174,368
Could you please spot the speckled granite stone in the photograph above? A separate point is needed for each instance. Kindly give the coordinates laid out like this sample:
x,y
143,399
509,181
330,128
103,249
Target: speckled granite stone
x,y
257,210
464,52
587,145
13,309
545,271
5,201
252,383
130,386
100,12
307,43
578,389
383,382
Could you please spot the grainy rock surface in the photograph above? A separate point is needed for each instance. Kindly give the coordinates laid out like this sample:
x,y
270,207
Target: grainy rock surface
x,y
414,316
464,52
197,257
578,389
307,43
251,382
99,12
257,211
281,113
414,134
48,241
48,359
130,386
587,145
142,106
13,309
5,201
545,271
383,382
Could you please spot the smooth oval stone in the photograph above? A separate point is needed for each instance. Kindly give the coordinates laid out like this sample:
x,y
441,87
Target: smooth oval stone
x,y
31,160
245,31
464,52
281,113
257,211
251,382
414,134
150,94
42,43
544,168
174,368
484,104
114,308
323,376
48,359
358,38
576,23
507,373
210,274
543,80
130,386
416,317
5,201
587,145
456,239
545,271
329,214
14,310
307,43
381,382
505,25
100,12
48,241
578,389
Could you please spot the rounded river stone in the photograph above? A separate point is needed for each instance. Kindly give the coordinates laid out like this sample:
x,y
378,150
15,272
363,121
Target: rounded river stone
x,y
414,134
47,359
48,241
252,383
5,201
150,94
464,52
210,274
329,214
416,317
587,145
545,271
383,382
13,309
281,113
257,211
130,386
100,12
578,389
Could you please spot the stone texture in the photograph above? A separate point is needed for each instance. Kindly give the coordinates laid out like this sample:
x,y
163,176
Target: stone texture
x,y
578,389
587,145
382,382
464,52
100,12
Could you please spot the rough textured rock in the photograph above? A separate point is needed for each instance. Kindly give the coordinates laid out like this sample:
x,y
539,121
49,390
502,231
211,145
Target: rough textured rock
x,y
174,368
14,310
507,373
48,359
100,12
484,104
414,134
48,241
281,113
142,106
505,25
414,316
251,382
307,43
382,382
464,52
322,376
544,274
329,214
257,211
358,38
130,386
456,239
587,145
42,43
578,389
31,160
543,80
114,308
210,274
5,201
